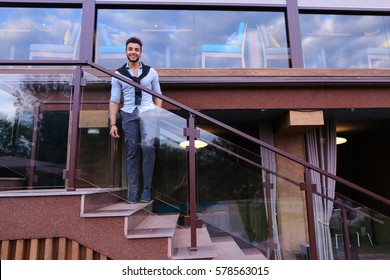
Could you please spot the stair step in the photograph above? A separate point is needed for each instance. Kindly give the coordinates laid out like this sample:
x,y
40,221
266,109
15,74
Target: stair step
x,y
119,209
182,243
254,254
154,226
94,201
227,249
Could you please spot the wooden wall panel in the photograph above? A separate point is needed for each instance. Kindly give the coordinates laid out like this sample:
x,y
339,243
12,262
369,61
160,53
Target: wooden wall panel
x,y
75,250
62,248
5,249
47,249
34,249
19,250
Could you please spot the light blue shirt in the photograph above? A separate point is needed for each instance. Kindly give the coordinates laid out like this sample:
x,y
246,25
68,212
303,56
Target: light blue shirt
x,y
150,81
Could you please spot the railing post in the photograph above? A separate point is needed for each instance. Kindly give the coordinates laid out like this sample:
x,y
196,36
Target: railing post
x,y
192,134
270,244
71,174
347,240
32,177
308,187
112,162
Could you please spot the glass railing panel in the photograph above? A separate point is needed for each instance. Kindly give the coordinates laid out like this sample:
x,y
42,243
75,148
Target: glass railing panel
x,y
171,176
236,174
289,207
329,237
368,232
34,129
232,199
102,159
375,240
95,158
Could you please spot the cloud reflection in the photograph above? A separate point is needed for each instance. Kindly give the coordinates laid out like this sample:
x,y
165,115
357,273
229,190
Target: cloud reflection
x,y
344,39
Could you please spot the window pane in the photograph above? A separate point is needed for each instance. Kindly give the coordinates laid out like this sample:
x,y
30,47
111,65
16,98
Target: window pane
x,y
377,4
345,41
180,38
39,33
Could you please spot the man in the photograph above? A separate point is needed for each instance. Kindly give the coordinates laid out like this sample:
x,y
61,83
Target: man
x,y
138,117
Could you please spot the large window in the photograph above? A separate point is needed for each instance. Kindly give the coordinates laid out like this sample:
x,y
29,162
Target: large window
x,y
195,38
203,37
345,41
39,33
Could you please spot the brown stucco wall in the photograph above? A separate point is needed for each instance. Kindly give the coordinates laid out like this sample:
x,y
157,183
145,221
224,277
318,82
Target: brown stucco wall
x,y
266,97
59,216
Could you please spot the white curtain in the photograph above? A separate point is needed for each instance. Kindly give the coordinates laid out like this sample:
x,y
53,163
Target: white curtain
x,y
321,152
268,160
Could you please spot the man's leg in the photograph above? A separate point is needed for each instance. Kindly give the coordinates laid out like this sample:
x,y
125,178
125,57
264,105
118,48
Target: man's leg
x,y
130,127
148,128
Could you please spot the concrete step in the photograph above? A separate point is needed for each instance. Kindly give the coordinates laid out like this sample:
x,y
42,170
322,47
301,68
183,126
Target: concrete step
x,y
227,249
139,219
95,201
140,223
181,245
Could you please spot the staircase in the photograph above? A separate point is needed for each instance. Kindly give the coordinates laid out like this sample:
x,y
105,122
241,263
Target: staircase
x,y
98,224
141,223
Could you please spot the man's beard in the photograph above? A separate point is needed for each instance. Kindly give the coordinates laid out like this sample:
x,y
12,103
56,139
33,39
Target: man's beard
x,y
133,60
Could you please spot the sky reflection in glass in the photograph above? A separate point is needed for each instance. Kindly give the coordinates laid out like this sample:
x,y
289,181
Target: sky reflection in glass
x,y
343,41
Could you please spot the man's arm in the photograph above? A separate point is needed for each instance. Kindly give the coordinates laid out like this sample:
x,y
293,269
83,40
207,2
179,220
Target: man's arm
x,y
156,87
157,101
113,111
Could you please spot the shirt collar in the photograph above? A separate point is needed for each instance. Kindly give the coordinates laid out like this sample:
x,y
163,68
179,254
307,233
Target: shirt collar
x,y
140,65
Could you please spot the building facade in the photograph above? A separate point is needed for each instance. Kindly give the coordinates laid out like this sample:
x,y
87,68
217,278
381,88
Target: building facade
x,y
268,85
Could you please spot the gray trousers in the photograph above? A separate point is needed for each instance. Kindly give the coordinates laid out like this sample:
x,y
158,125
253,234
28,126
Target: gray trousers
x,y
139,132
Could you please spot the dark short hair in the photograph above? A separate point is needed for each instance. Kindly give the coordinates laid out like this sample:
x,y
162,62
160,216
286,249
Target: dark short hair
x,y
134,40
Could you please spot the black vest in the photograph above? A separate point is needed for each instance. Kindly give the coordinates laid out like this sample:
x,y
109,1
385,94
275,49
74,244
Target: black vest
x,y
138,93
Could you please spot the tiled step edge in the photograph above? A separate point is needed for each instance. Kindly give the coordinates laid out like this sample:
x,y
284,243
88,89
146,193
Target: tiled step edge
x,y
118,209
152,226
